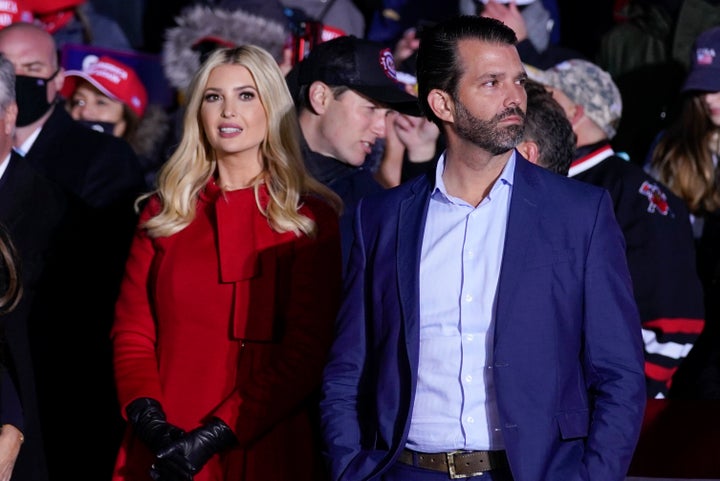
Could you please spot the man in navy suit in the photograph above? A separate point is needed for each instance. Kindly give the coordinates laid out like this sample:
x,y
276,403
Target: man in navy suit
x,y
488,329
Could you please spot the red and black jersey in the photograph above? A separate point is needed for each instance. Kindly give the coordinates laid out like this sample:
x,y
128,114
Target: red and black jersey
x,y
661,257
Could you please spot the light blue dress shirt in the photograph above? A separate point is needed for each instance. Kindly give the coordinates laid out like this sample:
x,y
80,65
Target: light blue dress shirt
x,y
455,406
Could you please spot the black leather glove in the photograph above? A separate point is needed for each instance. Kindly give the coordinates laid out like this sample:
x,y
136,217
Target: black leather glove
x,y
182,459
148,421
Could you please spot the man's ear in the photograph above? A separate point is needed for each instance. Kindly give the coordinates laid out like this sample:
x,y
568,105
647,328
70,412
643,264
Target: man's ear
x,y
530,151
10,118
442,105
59,79
578,111
319,95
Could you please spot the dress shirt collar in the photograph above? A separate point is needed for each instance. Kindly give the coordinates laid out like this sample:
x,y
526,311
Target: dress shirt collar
x,y
507,176
27,145
4,165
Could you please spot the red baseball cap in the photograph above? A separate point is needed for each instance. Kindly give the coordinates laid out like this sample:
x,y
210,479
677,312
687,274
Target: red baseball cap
x,y
49,6
114,79
12,11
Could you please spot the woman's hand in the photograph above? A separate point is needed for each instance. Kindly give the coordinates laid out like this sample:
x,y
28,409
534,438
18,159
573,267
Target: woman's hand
x,y
11,440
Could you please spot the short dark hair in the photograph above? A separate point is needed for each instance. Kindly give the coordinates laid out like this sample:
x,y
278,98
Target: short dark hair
x,y
547,125
438,65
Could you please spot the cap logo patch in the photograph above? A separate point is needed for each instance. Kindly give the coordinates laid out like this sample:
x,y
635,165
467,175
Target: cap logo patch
x,y
656,197
387,62
705,56
110,72
9,6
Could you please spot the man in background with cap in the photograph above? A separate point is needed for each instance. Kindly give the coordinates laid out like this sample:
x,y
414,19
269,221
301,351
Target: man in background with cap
x,y
346,92
655,222
548,139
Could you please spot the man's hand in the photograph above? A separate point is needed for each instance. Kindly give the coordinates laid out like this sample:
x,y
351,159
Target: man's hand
x,y
419,136
509,15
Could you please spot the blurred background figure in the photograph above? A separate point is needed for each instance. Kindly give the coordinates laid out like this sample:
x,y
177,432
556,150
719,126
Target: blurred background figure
x,y
548,139
390,20
655,223
533,25
77,21
12,11
69,332
108,96
201,28
11,413
647,52
337,14
32,208
685,157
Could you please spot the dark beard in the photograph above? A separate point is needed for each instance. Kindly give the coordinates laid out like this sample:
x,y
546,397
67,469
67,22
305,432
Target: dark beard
x,y
485,133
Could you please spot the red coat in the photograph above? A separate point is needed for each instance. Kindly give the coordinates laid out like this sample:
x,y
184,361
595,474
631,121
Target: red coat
x,y
228,318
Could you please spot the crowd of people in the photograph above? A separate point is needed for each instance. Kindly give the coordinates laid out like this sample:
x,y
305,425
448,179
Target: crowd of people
x,y
383,240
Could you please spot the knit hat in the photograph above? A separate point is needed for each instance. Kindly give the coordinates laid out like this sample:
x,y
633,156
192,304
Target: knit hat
x,y
370,71
114,79
704,63
588,85
12,11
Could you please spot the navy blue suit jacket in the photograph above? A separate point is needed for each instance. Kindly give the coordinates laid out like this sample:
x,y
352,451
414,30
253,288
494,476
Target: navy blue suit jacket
x,y
568,358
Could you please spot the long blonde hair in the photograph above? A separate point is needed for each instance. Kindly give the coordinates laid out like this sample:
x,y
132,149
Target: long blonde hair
x,y
193,163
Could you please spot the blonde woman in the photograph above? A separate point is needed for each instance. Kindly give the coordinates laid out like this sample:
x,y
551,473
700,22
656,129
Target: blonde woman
x,y
227,306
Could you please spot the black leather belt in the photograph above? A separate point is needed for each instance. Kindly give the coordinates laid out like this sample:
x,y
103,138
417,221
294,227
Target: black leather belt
x,y
458,464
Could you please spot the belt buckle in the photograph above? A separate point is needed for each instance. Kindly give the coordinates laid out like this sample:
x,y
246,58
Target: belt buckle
x,y
451,466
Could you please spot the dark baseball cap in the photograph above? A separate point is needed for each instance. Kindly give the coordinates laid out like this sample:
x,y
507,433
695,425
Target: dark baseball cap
x,y
705,63
365,66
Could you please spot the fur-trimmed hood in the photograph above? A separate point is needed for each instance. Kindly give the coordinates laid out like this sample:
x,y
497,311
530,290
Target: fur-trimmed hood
x,y
237,27
152,131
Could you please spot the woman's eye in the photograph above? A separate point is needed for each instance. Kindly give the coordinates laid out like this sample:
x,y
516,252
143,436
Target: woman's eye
x,y
211,97
77,103
247,95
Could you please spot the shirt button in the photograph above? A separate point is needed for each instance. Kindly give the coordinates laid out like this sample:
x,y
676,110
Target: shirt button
x,y
468,298
468,378
469,337
470,419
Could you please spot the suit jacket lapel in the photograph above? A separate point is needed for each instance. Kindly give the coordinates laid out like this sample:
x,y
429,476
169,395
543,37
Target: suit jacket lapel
x,y
411,225
522,222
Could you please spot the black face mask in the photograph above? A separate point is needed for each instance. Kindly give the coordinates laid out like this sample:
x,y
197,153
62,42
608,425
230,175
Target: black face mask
x,y
31,96
105,127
